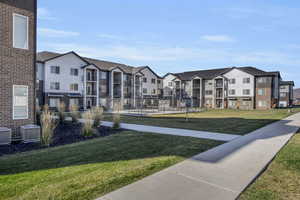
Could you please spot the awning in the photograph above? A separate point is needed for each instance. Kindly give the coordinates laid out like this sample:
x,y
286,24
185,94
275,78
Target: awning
x,y
74,95
55,95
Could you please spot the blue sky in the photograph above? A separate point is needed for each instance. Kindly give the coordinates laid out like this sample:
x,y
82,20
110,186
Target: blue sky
x,y
176,36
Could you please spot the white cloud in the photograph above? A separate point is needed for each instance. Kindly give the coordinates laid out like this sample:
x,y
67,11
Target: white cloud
x,y
152,53
44,14
47,32
217,38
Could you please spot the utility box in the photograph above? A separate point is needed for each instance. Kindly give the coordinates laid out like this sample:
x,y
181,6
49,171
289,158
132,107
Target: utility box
x,y
5,136
30,133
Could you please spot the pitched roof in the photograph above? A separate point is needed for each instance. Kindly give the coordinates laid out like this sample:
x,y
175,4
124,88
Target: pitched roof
x,y
212,73
104,65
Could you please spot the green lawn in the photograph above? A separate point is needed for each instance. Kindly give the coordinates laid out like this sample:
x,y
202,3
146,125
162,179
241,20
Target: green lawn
x,y
90,169
223,121
281,180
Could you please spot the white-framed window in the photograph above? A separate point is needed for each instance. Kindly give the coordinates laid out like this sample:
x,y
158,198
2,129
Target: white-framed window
x,y
153,80
261,92
54,102
262,103
283,94
20,31
74,72
55,69
246,80
74,87
232,103
246,92
170,84
231,92
145,80
20,102
154,91
74,101
103,75
232,81
208,92
145,90
54,86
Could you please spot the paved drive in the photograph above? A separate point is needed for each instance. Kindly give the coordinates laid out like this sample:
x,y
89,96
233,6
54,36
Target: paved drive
x,y
220,173
176,131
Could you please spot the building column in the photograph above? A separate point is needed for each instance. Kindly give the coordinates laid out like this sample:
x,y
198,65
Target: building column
x,y
97,86
134,103
84,88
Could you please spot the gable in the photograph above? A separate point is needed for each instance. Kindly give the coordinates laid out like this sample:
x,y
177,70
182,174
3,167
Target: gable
x,y
67,59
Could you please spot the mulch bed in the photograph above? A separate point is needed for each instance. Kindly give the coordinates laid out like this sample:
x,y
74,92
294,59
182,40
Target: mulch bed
x,y
66,133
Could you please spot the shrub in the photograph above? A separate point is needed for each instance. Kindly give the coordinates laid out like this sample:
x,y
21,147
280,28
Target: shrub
x,y
98,115
61,112
74,113
87,129
48,124
116,121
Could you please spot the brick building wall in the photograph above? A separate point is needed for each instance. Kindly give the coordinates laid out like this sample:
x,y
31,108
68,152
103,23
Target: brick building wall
x,y
17,66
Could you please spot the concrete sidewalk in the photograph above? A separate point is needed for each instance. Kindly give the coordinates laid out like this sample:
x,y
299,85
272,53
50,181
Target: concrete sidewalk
x,y
220,173
176,131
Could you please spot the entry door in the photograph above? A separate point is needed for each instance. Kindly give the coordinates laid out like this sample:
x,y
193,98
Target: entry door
x,y
89,103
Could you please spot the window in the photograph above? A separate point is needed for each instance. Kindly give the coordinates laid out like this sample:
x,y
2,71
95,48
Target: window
x,y
145,90
246,92
54,102
154,91
74,101
145,80
20,31
283,94
261,92
232,103
20,102
55,69
262,103
208,92
231,92
74,87
158,81
153,81
232,81
103,75
246,80
74,72
262,80
170,84
246,103
170,92
54,86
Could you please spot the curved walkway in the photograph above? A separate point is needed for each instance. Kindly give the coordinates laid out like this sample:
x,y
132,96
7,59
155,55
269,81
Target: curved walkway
x,y
176,131
220,173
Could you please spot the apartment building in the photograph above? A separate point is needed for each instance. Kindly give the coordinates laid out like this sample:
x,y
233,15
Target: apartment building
x,y
234,87
286,94
88,82
17,63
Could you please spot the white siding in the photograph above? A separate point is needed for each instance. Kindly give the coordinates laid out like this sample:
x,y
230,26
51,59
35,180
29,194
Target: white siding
x,y
239,86
149,85
65,63
169,78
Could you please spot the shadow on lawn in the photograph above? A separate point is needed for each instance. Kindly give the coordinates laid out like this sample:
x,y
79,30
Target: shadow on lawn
x,y
132,145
